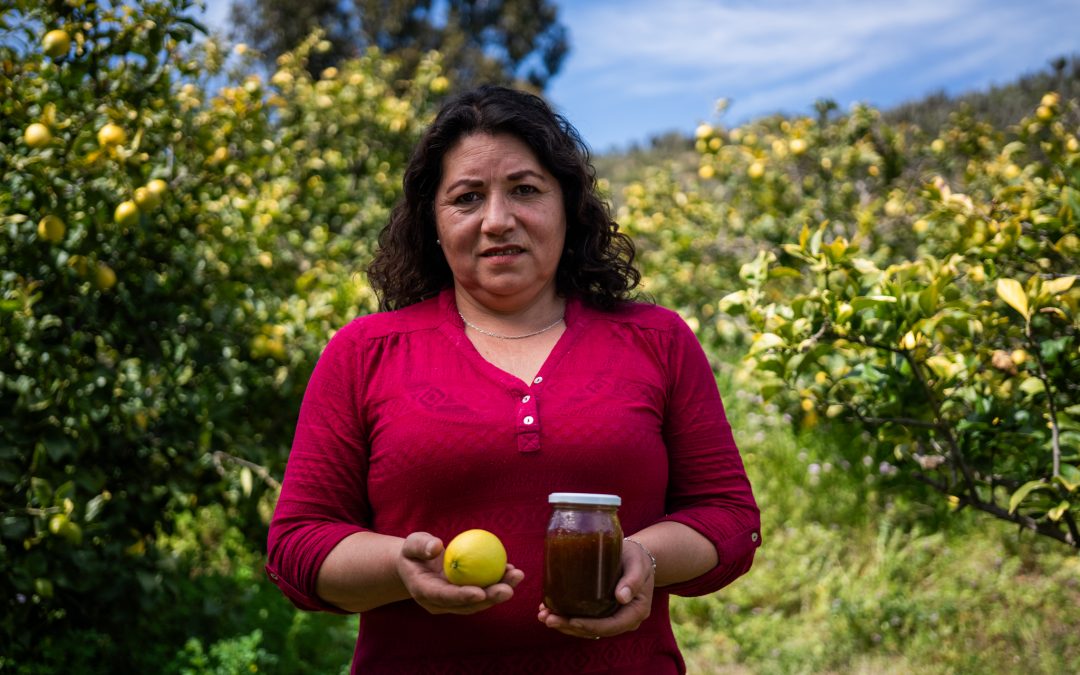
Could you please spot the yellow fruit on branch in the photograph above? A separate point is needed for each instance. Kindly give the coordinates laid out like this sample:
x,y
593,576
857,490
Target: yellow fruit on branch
x,y
104,277
51,229
110,135
56,43
147,200
439,85
37,135
474,558
157,187
126,214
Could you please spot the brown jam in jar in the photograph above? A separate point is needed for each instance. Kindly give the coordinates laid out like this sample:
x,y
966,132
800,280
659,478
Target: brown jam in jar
x,y
582,554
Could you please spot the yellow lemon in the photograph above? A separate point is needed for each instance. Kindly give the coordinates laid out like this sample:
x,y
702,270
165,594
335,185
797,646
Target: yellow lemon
x,y
439,85
157,186
146,199
56,43
37,135
51,229
111,134
126,214
104,277
474,558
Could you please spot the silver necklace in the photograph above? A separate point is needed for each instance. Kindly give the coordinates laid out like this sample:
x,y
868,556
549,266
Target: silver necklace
x,y
478,329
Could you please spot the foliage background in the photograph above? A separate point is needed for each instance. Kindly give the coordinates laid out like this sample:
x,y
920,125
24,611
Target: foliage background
x,y
151,365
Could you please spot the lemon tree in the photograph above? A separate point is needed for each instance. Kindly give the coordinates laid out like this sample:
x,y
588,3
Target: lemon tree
x,y
920,292
178,238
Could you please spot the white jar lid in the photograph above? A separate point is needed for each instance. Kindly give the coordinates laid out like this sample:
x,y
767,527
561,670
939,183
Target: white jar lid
x,y
584,498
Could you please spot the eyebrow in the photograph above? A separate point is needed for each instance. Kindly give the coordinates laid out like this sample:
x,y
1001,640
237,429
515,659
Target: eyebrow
x,y
475,182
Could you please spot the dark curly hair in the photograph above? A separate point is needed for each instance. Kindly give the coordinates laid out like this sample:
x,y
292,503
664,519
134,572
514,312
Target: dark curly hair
x,y
597,262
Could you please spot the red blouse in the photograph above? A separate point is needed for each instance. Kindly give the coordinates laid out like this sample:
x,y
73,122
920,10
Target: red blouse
x,y
405,427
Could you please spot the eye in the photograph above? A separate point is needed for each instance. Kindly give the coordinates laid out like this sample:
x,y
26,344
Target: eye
x,y
467,198
526,190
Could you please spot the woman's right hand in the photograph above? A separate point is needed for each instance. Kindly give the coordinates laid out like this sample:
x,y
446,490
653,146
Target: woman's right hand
x,y
420,566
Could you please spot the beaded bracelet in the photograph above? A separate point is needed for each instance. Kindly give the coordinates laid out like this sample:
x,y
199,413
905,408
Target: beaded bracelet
x,y
647,552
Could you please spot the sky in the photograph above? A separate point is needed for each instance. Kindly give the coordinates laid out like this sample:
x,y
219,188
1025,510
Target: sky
x,y
641,68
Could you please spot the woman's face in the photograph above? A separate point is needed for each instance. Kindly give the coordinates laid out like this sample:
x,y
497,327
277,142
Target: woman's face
x,y
499,215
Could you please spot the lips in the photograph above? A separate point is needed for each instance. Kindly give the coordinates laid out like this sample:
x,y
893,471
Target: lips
x,y
501,251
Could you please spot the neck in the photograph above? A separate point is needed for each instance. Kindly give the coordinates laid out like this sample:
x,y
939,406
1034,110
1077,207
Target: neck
x,y
511,320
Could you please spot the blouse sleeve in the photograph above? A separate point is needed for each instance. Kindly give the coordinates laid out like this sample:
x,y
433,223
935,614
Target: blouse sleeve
x,y
323,498
708,489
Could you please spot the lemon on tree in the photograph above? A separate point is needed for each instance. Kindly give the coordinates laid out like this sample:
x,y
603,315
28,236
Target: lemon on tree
x,y
146,199
104,276
51,229
474,558
126,214
111,134
56,43
157,187
37,135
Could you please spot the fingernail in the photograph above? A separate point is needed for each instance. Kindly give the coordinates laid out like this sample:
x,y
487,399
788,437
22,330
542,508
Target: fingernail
x,y
625,594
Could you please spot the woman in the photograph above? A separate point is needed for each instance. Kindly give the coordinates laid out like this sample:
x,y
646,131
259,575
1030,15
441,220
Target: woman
x,y
510,363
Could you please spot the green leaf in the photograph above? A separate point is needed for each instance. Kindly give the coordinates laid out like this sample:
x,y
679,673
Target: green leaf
x,y
770,390
1069,477
1032,386
782,272
866,301
1013,294
1058,511
928,299
815,241
1024,491
94,506
1059,285
733,303
765,341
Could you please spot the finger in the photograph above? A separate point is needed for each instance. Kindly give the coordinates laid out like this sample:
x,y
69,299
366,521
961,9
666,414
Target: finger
x,y
421,546
513,576
450,595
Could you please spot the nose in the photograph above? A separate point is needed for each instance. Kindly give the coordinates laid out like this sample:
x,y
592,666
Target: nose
x,y
498,216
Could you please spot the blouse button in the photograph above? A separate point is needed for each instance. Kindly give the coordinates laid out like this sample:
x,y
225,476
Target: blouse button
x,y
754,536
528,419
538,380
526,399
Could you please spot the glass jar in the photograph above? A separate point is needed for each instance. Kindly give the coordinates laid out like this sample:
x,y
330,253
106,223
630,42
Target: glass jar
x,y
582,554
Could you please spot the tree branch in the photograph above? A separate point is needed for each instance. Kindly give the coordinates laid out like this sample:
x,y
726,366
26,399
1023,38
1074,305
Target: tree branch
x,y
1026,522
220,456
1055,438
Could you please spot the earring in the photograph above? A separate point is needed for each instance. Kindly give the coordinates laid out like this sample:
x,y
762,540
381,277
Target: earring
x,y
438,242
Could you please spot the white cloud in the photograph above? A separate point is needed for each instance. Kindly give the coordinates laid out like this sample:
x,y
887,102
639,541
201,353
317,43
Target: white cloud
x,y
783,55
748,41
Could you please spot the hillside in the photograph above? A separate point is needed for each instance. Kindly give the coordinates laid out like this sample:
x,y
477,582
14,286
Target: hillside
x,y
1000,106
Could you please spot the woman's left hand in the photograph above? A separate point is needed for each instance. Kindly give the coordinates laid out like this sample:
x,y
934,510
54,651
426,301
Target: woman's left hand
x,y
634,593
